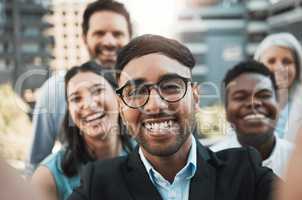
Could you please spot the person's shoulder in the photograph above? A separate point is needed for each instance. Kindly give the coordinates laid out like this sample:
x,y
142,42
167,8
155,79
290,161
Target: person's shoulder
x,y
105,168
285,144
109,166
241,156
53,161
99,174
244,163
284,147
54,79
53,85
225,143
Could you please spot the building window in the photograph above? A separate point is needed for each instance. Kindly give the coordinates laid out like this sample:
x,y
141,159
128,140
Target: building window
x,y
30,47
31,32
2,65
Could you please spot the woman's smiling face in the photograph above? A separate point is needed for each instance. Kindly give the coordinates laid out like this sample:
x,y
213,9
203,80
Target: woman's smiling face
x,y
92,104
281,62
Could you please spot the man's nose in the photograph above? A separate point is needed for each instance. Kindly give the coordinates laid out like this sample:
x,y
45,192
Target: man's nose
x,y
155,103
254,102
109,40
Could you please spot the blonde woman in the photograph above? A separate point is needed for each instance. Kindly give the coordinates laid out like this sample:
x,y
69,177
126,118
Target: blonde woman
x,y
282,54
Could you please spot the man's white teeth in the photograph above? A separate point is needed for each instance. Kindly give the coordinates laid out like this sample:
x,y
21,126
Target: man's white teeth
x,y
254,116
159,125
94,116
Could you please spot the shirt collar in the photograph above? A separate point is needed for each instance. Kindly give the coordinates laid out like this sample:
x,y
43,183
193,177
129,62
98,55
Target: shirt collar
x,y
187,171
235,143
274,153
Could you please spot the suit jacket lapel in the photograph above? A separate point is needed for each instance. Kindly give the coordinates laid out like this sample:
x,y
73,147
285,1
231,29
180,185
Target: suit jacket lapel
x,y
203,183
138,181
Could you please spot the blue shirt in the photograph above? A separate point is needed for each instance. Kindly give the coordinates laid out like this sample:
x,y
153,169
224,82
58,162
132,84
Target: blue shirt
x,y
65,185
179,189
48,115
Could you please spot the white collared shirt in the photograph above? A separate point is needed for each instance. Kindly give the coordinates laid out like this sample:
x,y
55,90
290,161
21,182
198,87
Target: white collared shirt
x,y
179,189
278,159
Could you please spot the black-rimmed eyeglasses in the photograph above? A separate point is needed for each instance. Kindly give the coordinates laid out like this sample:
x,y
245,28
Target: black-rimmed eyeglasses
x,y
136,94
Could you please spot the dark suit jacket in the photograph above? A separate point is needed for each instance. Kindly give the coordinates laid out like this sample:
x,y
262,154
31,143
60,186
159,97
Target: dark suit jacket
x,y
234,174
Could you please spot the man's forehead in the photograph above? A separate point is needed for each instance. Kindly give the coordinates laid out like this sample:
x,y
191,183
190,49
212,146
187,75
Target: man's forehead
x,y
108,19
251,81
152,67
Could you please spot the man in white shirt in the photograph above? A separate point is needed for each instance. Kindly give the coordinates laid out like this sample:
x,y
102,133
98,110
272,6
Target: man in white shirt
x,y
252,110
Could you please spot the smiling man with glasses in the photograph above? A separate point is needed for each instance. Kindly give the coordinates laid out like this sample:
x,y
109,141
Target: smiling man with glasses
x,y
158,102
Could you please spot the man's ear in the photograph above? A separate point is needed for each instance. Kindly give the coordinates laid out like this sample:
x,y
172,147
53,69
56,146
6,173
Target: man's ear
x,y
196,94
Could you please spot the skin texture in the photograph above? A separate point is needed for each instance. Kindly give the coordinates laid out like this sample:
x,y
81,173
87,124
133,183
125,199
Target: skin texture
x,y
90,94
247,95
12,184
168,147
108,33
45,184
291,189
86,98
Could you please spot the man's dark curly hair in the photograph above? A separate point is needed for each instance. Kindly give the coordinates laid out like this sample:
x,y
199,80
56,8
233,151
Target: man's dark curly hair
x,y
250,66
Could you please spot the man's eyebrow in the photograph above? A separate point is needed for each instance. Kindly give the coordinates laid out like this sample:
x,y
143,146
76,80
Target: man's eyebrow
x,y
137,81
265,90
240,91
169,76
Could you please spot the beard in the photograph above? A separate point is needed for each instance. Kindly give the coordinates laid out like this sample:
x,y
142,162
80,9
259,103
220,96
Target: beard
x,y
105,54
166,150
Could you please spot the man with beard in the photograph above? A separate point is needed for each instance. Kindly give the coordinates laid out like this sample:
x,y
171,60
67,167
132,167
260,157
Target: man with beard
x,y
158,108
106,28
252,110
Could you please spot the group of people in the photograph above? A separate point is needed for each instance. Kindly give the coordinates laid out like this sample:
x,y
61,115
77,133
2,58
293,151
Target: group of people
x,y
126,119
